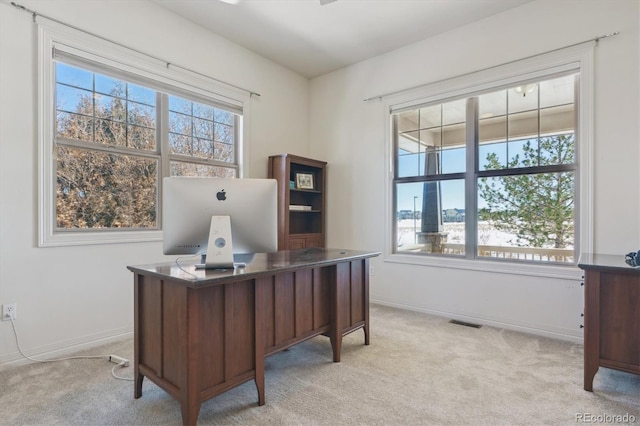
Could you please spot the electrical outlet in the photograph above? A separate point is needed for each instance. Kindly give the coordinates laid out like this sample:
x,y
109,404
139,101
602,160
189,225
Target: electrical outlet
x,y
9,312
371,270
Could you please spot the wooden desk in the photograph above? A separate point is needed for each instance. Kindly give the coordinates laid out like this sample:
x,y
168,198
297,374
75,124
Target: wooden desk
x,y
200,333
611,315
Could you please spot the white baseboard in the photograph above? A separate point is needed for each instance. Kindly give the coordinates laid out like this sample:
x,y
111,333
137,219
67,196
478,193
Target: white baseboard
x,y
58,350
15,359
560,334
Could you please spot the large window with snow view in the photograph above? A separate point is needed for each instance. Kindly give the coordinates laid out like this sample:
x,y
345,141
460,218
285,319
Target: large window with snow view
x,y
492,175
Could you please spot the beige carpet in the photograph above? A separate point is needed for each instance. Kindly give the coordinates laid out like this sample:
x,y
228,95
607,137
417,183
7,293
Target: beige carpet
x,y
419,369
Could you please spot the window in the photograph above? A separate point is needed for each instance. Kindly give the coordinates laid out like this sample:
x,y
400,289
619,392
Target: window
x,y
118,129
491,172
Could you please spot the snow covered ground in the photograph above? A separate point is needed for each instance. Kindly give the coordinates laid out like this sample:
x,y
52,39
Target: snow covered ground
x,y
491,242
487,234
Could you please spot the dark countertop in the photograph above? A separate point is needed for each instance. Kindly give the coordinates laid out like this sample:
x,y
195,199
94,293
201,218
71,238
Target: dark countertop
x,y
184,269
611,262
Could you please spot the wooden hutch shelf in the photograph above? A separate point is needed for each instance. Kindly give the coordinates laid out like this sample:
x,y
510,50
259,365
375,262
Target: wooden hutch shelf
x,y
301,200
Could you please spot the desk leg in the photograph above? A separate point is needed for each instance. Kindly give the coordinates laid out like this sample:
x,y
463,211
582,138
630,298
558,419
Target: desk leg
x,y
365,272
341,284
260,386
137,388
591,327
259,288
138,377
589,374
336,343
191,344
190,412
366,333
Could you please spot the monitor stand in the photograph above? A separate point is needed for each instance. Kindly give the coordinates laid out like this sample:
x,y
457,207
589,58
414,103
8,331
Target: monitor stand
x,y
219,248
240,260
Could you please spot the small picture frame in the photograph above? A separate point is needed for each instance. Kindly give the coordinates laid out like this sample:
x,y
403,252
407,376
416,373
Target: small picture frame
x,y
304,180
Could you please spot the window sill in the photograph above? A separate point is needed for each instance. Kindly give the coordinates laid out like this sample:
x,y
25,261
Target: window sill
x,y
80,238
558,271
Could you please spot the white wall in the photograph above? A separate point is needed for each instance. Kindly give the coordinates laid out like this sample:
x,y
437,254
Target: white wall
x,y
70,296
348,133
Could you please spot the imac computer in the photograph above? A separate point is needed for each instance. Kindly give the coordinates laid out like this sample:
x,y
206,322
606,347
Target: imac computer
x,y
227,220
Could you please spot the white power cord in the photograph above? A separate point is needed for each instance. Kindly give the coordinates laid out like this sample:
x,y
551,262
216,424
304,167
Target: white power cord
x,y
120,362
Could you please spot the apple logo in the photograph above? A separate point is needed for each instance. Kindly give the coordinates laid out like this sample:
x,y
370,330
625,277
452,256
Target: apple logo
x,y
221,195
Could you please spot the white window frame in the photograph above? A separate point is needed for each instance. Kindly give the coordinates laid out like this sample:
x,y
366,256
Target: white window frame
x,y
91,48
577,58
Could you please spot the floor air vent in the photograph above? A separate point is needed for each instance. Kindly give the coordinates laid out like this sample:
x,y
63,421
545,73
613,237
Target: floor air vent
x,y
466,324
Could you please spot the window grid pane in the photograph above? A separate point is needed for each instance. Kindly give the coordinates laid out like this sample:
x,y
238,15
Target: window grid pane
x,y
182,168
109,103
194,130
431,140
430,217
101,190
516,219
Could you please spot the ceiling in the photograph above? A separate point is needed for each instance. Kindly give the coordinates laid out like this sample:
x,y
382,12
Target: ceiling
x,y
313,39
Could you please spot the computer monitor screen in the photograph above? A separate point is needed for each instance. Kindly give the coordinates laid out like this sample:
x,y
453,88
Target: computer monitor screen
x,y
188,204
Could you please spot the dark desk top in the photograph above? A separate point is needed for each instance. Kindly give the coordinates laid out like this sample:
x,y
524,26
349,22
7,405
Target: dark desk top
x,y
184,269
610,262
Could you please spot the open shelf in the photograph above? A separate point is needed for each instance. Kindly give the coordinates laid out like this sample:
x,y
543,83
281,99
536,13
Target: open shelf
x,y
299,228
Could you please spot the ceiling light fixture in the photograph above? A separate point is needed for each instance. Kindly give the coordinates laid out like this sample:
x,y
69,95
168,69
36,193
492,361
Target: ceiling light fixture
x,y
523,90
323,2
230,1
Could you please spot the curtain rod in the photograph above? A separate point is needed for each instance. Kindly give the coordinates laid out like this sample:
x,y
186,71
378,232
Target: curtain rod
x,y
595,39
168,64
